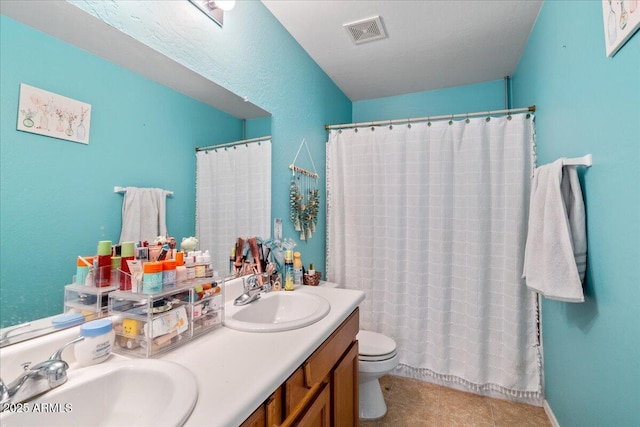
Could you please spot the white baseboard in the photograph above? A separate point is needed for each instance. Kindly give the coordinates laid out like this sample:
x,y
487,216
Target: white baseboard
x,y
549,412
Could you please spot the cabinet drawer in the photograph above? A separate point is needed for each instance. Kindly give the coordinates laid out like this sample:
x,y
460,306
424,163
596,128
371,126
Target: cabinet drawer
x,y
318,366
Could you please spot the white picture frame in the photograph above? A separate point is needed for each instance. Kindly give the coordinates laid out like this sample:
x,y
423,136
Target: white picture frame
x,y
49,114
621,20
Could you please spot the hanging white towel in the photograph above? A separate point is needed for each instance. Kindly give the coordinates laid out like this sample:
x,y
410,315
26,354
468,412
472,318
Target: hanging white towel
x,y
556,250
143,214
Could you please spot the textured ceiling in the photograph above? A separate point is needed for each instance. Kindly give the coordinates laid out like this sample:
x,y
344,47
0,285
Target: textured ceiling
x,y
71,24
431,45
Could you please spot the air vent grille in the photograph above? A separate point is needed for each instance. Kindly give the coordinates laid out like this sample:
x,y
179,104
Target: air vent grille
x,y
366,30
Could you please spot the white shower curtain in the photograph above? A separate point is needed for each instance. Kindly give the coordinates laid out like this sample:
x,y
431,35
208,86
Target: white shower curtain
x,y
233,198
430,221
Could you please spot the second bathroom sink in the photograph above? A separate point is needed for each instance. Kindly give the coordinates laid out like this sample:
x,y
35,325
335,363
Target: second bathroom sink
x,y
277,311
141,392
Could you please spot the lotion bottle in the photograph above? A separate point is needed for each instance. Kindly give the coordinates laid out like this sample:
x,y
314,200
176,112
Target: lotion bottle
x,y
288,271
297,269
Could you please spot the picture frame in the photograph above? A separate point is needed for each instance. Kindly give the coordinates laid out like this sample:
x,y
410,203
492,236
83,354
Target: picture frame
x,y
621,20
49,114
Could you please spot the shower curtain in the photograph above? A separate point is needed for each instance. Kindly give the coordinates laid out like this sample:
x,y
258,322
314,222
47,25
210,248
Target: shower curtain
x,y
233,198
429,220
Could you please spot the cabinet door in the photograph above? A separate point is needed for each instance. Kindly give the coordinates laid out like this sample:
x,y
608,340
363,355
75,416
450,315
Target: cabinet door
x,y
344,389
313,409
295,391
318,414
257,419
274,408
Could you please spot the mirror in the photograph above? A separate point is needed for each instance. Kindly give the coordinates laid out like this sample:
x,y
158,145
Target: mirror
x,y
148,115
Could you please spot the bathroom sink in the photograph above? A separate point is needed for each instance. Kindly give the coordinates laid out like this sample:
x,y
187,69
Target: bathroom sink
x,y
277,311
119,393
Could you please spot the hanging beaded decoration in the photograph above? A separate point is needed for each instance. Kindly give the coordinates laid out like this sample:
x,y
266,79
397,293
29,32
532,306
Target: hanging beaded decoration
x,y
304,199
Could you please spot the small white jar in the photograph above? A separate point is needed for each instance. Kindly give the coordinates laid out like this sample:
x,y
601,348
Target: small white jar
x,y
99,337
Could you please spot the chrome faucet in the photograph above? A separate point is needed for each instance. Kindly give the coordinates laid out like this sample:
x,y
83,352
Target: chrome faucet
x,y
37,379
252,290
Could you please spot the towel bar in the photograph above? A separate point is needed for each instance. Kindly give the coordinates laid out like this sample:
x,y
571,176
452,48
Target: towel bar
x,y
118,189
579,161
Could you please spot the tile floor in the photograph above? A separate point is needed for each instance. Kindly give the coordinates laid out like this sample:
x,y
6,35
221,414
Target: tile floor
x,y
417,403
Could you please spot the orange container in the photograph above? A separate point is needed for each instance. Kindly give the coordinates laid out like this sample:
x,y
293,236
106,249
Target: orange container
x,y
179,258
89,259
152,267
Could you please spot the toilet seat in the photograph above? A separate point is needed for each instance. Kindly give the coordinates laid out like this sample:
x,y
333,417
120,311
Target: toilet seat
x,y
373,346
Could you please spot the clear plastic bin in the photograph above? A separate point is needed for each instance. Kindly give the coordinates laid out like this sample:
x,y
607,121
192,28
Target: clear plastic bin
x,y
148,325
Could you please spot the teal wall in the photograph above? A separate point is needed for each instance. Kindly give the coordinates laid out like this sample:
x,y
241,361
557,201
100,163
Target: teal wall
x,y
462,99
588,103
142,134
57,196
254,57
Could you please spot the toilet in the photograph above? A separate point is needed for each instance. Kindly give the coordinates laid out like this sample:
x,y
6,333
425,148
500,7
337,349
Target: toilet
x,y
376,357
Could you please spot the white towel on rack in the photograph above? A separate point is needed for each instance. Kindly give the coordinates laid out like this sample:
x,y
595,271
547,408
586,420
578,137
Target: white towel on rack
x,y
556,249
143,214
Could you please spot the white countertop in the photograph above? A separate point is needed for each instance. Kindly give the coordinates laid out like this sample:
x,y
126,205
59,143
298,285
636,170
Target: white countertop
x,y
236,371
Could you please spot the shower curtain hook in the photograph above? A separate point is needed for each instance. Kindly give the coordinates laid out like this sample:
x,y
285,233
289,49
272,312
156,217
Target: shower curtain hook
x,y
467,121
488,116
451,120
429,121
409,123
390,125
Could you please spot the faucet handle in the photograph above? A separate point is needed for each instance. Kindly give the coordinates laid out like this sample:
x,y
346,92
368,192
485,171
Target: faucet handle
x,y
249,282
58,354
53,370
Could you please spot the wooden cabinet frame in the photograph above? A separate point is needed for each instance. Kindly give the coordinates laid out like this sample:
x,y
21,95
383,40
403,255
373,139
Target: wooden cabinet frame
x,y
323,391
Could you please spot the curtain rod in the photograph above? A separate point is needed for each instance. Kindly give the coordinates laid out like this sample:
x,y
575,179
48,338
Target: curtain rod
x,y
231,144
531,108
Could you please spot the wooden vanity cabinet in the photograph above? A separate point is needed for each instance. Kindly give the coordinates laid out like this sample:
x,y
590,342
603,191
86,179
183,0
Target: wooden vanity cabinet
x,y
323,391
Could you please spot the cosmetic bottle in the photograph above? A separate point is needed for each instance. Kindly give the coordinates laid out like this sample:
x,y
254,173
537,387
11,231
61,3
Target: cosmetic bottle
x,y
181,270
297,269
82,269
191,266
127,252
288,271
103,274
116,262
200,266
208,268
152,280
98,340
169,274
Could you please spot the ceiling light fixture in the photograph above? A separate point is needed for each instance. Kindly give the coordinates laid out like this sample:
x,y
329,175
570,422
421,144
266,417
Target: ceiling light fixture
x,y
225,5
214,9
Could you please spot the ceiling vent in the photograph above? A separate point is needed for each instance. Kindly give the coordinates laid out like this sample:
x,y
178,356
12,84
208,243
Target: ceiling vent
x,y
366,30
